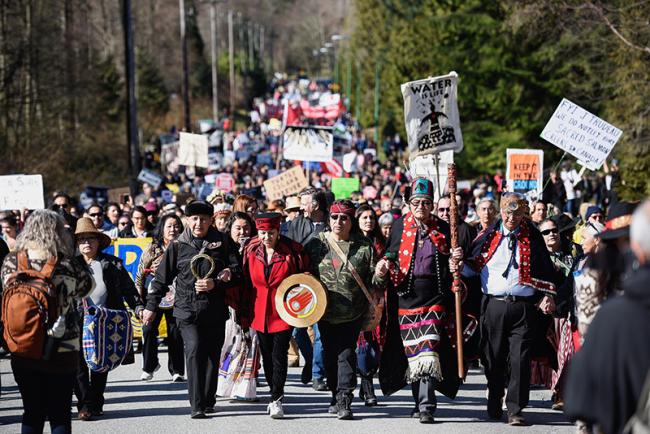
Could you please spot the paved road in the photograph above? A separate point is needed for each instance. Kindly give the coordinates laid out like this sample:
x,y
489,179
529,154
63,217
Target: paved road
x,y
159,406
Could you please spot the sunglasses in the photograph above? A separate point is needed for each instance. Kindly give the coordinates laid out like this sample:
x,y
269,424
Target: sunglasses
x,y
550,231
341,217
444,209
417,203
85,240
598,217
96,214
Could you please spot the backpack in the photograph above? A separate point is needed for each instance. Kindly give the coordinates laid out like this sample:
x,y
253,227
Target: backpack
x,y
29,308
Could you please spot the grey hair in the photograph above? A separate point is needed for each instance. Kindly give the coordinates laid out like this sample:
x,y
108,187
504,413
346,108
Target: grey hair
x,y
386,219
45,230
492,201
639,232
593,228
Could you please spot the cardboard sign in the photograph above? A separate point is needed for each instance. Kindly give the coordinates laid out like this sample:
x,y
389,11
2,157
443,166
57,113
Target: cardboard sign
x,y
581,134
287,183
431,115
21,191
193,150
308,144
224,182
116,194
344,187
525,168
151,178
129,250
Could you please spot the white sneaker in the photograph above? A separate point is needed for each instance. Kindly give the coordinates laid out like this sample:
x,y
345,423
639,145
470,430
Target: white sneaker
x,y
275,409
177,378
148,376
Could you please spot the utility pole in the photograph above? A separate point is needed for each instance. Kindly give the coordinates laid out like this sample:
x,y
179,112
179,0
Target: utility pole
x,y
186,81
131,115
214,29
231,58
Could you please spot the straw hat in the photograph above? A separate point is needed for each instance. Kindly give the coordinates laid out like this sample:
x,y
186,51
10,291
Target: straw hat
x,y
293,204
85,226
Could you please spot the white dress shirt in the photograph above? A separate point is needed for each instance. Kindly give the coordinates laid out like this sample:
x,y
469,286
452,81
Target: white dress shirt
x,y
492,280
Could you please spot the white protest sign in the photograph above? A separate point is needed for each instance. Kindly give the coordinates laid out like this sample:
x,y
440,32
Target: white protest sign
x,y
151,178
425,166
524,171
287,183
193,150
431,115
21,191
308,144
581,134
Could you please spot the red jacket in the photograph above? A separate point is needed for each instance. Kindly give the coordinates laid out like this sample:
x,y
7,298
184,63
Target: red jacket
x,y
287,259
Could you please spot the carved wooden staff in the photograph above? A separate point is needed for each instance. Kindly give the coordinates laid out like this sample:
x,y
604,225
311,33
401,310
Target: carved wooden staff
x,y
456,285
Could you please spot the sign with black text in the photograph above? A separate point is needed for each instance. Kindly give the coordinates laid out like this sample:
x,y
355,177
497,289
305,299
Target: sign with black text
x,y
308,144
21,191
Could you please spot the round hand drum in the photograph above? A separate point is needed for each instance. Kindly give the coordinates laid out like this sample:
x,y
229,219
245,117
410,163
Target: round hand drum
x,y
301,300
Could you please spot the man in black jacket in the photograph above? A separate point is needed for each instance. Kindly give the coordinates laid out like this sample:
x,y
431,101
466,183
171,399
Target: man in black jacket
x,y
199,303
606,376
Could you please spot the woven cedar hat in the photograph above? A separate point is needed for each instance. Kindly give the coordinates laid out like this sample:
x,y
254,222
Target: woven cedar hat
x,y
85,226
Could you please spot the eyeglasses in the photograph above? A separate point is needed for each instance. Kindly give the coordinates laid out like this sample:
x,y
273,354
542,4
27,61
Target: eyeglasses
x,y
417,203
96,214
341,217
86,240
550,231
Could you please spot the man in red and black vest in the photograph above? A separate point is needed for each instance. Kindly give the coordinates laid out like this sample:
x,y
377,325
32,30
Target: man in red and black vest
x,y
517,278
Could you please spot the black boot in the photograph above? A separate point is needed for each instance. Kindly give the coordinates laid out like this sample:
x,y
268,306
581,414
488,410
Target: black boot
x,y
367,392
344,402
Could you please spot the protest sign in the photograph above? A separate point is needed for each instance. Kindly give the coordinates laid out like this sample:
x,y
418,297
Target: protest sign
x,y
193,150
129,250
117,194
344,187
21,191
431,115
524,170
581,134
150,177
425,166
225,182
308,144
287,183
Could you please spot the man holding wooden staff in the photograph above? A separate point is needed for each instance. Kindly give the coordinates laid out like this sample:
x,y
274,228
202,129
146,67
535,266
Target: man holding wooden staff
x,y
422,281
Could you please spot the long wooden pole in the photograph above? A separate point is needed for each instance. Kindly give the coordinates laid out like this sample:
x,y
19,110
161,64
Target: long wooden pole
x,y
453,223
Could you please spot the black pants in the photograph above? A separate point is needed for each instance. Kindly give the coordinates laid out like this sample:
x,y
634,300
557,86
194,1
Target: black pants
x,y
44,396
203,338
424,394
507,336
176,359
274,348
90,387
339,353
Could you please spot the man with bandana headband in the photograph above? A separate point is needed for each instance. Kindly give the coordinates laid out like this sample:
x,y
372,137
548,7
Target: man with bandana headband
x,y
516,277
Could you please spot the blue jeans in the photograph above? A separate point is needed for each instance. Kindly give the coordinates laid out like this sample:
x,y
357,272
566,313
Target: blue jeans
x,y
315,353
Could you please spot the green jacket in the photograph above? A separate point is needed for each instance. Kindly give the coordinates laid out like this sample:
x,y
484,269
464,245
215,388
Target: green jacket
x,y
346,301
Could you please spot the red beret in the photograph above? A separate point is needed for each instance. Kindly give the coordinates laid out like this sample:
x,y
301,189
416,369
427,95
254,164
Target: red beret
x,y
268,221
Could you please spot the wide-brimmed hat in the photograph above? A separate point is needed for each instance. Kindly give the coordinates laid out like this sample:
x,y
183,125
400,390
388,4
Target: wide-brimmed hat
x,y
85,226
618,222
293,204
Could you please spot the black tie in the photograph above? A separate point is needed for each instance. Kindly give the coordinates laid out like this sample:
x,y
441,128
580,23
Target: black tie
x,y
512,245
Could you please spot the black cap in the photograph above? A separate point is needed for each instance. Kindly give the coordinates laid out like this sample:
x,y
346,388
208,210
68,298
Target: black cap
x,y
618,222
199,207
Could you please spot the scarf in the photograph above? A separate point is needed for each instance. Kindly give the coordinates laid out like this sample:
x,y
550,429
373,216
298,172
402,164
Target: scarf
x,y
407,246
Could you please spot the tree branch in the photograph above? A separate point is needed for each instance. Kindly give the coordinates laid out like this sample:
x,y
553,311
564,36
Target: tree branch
x,y
618,34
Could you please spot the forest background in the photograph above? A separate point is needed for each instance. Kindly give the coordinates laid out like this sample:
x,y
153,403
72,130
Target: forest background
x,y
62,97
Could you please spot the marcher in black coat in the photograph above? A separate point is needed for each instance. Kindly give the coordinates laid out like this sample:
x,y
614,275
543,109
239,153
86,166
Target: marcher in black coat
x,y
607,374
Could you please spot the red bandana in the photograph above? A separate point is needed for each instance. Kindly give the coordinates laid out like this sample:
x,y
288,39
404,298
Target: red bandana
x,y
407,245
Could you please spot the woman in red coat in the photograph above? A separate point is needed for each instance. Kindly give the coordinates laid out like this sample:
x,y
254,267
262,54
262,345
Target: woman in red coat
x,y
270,258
